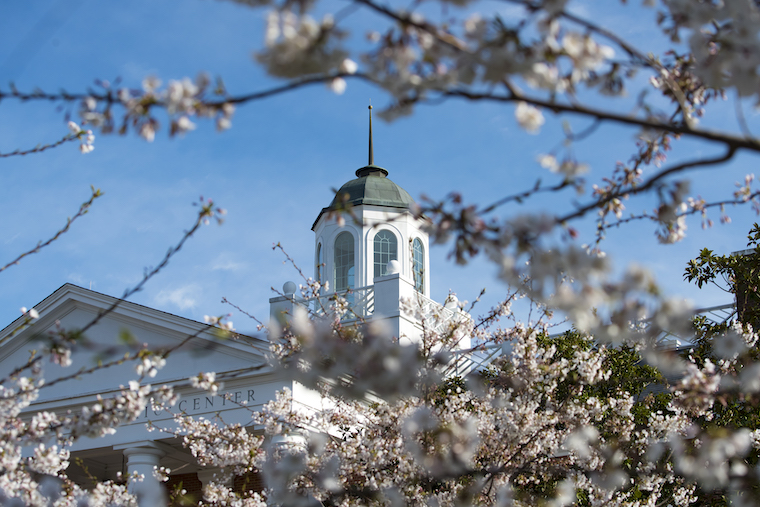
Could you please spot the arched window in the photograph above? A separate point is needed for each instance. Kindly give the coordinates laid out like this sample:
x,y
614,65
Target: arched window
x,y
418,265
320,263
344,262
386,250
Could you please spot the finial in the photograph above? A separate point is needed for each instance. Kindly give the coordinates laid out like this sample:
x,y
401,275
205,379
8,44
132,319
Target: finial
x,y
371,156
371,168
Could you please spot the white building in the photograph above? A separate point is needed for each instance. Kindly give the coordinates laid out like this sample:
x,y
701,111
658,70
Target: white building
x,y
368,247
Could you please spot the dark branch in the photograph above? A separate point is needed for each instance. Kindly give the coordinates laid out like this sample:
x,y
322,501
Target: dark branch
x,y
83,209
730,152
40,149
733,141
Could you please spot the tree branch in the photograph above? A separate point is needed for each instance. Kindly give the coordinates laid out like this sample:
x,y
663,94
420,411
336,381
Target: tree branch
x,y
207,211
734,141
83,209
40,149
730,152
692,211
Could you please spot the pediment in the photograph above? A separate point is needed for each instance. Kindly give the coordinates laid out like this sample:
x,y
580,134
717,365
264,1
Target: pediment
x,y
72,307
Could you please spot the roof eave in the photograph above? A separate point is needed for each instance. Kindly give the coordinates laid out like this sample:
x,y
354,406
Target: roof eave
x,y
333,208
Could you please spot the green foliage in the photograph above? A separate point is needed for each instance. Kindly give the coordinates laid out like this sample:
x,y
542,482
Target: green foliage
x,y
567,343
651,404
701,347
628,372
732,409
741,272
739,275
450,387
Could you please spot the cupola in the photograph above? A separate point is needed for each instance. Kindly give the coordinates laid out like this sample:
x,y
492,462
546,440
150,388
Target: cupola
x,y
368,224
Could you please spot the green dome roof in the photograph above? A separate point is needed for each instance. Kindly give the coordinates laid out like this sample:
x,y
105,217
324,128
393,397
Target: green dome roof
x,y
370,187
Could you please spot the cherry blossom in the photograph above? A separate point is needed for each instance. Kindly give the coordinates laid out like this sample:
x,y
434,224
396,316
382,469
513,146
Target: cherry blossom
x,y
550,420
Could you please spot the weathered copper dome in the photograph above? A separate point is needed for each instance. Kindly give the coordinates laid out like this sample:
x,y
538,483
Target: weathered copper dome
x,y
372,187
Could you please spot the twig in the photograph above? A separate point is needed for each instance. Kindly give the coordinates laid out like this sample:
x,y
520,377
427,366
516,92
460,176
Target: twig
x,y
685,213
730,152
83,209
524,195
207,211
236,307
40,149
164,354
511,96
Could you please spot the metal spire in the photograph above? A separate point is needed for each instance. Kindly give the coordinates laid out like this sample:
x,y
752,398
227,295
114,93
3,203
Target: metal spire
x,y
371,169
371,156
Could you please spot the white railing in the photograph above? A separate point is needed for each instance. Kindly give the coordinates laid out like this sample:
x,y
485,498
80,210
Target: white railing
x,y
479,358
714,315
436,317
467,361
718,314
356,303
440,320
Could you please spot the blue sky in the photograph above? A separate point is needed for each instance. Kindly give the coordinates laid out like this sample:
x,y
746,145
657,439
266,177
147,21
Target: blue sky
x,y
274,170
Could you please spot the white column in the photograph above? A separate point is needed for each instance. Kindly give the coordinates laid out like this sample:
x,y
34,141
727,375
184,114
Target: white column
x,y
215,474
142,458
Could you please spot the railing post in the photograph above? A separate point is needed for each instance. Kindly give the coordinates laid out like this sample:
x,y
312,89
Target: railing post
x,y
389,290
387,295
281,307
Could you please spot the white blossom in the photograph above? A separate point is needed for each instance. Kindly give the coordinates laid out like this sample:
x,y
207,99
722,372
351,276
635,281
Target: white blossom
x,y
529,117
348,66
338,85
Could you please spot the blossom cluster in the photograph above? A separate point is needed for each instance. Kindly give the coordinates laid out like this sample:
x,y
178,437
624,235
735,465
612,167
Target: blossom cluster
x,y
182,100
555,419
39,477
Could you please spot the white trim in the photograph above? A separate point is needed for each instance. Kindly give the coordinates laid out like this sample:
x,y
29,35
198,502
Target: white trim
x,y
71,297
374,231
